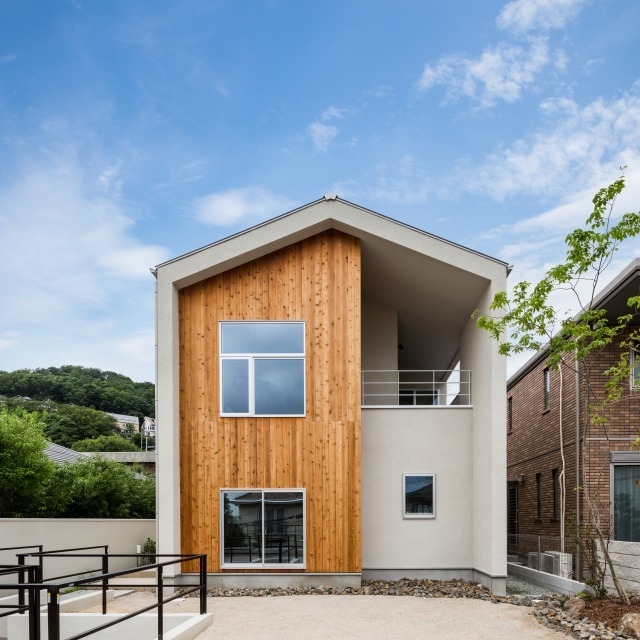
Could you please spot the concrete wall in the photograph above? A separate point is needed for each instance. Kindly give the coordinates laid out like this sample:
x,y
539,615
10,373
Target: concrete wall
x,y
415,440
122,536
626,558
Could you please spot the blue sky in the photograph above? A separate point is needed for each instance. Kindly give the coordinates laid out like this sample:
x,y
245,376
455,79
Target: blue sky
x,y
133,132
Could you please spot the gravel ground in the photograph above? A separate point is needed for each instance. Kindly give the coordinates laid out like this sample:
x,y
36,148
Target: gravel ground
x,y
438,610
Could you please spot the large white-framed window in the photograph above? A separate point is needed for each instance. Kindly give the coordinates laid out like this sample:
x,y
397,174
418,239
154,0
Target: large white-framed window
x,y
419,495
262,368
263,528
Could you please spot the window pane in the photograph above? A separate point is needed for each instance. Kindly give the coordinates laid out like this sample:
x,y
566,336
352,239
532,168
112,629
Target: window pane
x,y
235,386
279,386
262,337
418,495
284,528
626,502
242,526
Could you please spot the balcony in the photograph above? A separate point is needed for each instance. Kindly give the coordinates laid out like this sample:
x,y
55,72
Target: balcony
x,y
416,388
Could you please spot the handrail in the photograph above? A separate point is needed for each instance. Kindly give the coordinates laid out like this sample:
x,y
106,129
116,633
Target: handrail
x,y
36,584
416,387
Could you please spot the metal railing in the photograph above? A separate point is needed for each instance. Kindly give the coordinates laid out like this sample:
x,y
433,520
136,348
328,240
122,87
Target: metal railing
x,y
427,387
35,584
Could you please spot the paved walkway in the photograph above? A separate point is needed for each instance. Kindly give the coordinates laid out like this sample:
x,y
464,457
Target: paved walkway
x,y
352,617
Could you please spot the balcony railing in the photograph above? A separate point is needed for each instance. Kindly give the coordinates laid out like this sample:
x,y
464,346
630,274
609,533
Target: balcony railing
x,y
429,387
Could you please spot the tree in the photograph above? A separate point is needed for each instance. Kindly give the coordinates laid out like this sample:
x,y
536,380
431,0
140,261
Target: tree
x,y
67,424
24,467
530,320
105,443
99,488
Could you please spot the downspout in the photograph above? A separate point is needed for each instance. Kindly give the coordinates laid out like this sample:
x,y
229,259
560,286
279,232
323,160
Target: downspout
x,y
577,492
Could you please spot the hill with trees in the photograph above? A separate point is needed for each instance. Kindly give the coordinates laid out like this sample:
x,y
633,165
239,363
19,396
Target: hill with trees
x,y
81,386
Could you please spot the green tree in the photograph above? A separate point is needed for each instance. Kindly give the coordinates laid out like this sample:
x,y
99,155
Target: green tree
x,y
528,320
68,424
99,488
24,468
105,443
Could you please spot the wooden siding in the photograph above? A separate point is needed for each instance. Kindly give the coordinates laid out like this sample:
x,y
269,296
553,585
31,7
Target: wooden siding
x,y
318,281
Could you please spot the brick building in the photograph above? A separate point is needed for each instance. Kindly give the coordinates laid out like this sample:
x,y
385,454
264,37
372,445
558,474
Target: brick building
x,y
539,400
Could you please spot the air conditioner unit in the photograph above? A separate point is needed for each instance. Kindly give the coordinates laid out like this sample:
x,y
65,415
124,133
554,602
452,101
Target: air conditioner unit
x,y
533,560
560,564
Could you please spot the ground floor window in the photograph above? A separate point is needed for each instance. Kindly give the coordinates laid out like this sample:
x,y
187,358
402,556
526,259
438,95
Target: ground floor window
x,y
626,502
263,527
418,495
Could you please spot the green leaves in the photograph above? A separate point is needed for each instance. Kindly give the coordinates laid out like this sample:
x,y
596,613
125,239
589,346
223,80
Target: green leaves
x,y
527,319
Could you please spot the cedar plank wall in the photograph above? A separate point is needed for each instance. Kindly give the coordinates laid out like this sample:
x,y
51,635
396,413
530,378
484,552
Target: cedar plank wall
x,y
316,280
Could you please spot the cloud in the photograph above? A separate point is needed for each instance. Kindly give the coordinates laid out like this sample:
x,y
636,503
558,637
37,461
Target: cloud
x,y
527,15
579,146
239,206
500,73
322,132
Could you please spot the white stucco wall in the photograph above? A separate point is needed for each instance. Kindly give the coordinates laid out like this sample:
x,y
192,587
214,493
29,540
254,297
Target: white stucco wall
x,y
479,353
415,440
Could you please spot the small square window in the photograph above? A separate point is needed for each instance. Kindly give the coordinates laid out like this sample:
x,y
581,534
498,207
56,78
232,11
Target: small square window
x,y
418,497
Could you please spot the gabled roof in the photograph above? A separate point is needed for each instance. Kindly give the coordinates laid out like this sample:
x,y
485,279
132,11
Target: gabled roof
x,y
434,284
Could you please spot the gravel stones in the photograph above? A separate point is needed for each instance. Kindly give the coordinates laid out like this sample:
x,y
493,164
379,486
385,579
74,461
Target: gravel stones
x,y
548,610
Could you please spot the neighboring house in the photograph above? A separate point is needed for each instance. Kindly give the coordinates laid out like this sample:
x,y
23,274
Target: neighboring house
x,y
329,409
148,427
126,424
534,462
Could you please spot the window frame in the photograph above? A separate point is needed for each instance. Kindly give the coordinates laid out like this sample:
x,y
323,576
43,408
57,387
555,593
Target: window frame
x,y
421,516
509,415
294,566
634,367
547,388
555,488
251,358
620,459
538,497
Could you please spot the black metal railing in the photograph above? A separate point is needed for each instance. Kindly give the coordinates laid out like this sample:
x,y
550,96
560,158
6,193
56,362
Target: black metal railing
x,y
55,588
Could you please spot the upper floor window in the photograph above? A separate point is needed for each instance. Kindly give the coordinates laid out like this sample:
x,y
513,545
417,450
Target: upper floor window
x,y
634,367
262,369
547,389
509,414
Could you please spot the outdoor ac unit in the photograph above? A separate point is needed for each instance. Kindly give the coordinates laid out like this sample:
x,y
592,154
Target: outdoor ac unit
x,y
533,560
560,564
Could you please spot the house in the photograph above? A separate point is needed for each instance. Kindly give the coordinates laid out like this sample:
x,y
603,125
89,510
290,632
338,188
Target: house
x,y
330,411
62,455
148,428
126,424
534,452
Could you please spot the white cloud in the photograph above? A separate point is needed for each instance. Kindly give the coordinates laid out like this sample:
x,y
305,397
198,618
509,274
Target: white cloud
x,y
526,15
502,72
581,146
74,276
322,132
239,206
